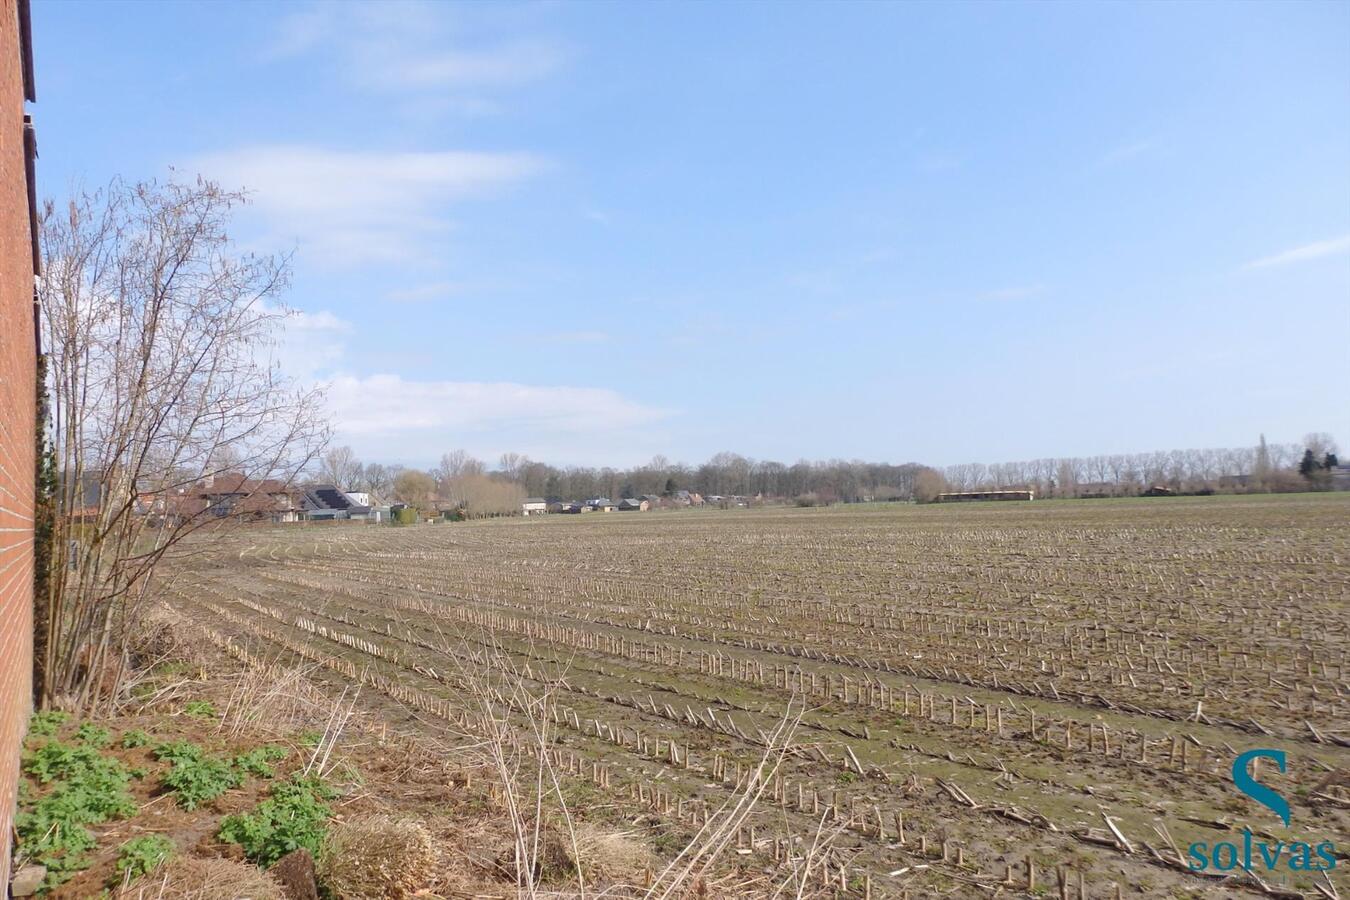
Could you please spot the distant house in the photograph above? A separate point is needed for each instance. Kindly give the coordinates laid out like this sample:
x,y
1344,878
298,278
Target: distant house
x,y
633,505
575,508
234,496
601,504
534,506
653,501
970,496
326,499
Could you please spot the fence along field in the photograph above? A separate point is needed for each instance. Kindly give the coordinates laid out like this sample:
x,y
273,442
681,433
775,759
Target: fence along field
x,y
999,699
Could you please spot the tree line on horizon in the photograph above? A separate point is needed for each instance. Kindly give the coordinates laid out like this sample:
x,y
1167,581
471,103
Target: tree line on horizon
x,y
462,480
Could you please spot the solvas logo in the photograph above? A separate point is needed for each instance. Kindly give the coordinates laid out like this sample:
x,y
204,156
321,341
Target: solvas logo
x,y
1298,856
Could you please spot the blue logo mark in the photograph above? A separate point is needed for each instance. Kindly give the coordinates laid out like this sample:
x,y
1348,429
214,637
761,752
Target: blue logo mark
x,y
1255,789
1297,856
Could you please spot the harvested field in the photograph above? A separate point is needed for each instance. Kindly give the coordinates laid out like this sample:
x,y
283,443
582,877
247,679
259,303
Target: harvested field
x,y
1000,698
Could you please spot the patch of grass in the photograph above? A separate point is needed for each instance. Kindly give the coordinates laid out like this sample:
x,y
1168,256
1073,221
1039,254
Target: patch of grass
x,y
86,788
295,816
135,738
141,855
194,776
46,722
202,709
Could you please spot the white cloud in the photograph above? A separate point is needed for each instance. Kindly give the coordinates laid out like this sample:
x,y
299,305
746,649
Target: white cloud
x,y
319,321
388,417
1332,247
390,405
349,207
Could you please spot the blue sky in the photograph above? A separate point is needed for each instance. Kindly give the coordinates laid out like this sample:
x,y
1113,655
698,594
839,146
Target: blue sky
x,y
595,232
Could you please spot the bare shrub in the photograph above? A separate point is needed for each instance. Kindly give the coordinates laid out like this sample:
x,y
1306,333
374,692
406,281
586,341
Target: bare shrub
x,y
160,376
377,857
188,878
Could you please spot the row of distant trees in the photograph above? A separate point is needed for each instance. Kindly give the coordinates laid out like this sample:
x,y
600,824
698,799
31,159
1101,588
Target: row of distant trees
x,y
463,479
1263,467
469,483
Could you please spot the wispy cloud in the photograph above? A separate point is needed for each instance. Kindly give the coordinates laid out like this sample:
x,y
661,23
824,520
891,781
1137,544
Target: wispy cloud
x,y
576,337
1127,152
388,404
411,47
1014,293
1316,250
348,208
510,63
425,293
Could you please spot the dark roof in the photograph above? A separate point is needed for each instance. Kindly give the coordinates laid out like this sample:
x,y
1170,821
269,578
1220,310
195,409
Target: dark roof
x,y
327,496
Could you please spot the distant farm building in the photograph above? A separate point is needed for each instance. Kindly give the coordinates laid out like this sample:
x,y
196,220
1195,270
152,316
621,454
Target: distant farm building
x,y
964,496
327,502
534,506
633,505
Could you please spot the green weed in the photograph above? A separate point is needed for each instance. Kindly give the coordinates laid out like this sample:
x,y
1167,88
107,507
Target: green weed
x,y
255,762
202,709
86,788
141,855
46,722
135,738
295,816
93,735
195,777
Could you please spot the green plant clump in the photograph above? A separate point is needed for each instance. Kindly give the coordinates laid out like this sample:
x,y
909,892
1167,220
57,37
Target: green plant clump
x,y
202,709
256,761
141,855
294,816
135,738
46,722
86,788
193,776
93,735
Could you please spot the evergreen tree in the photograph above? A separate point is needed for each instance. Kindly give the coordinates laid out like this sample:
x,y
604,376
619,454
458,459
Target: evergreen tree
x,y
1309,465
1330,462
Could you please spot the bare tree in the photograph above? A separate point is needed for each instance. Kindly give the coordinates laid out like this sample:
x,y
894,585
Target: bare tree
x,y
161,379
378,479
340,466
415,488
511,465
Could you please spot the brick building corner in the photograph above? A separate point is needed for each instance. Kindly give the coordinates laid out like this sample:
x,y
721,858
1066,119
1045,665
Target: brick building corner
x,y
18,367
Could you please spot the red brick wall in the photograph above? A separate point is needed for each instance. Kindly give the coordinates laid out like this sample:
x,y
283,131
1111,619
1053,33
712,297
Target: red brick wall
x,y
17,362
